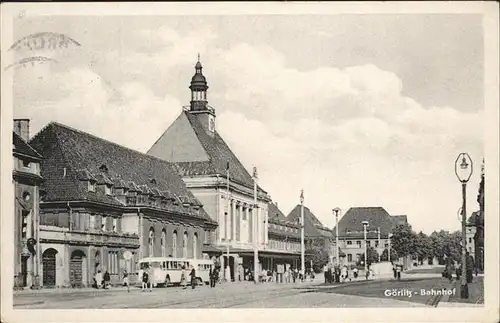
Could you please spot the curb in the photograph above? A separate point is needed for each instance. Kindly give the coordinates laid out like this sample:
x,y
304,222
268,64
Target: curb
x,y
445,298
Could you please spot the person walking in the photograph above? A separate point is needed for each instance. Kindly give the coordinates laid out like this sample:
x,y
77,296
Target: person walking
x,y
144,279
325,273
107,279
183,278
150,278
193,278
355,272
98,279
125,280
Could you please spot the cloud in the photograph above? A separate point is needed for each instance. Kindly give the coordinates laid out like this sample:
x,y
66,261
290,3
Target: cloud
x,y
348,136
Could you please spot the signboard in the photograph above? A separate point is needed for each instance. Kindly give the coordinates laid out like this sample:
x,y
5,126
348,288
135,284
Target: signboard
x,y
127,255
281,269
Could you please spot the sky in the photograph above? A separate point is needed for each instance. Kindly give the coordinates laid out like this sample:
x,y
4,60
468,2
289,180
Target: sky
x,y
357,110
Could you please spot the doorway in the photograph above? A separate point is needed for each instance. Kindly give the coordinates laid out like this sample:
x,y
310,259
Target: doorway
x,y
49,267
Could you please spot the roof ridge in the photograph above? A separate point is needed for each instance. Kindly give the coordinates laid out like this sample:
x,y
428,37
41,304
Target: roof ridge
x,y
110,142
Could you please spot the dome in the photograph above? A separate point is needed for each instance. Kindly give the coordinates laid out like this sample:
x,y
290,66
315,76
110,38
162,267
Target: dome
x,y
198,78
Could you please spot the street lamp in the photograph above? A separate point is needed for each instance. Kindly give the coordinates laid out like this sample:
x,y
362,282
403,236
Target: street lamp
x,y
378,249
389,236
337,249
463,170
302,246
256,229
365,224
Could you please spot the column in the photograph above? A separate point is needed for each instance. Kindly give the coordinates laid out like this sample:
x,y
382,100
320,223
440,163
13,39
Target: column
x,y
266,227
250,225
238,222
233,220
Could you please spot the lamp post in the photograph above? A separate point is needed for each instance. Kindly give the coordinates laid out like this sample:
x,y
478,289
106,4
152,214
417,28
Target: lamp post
x,y
337,249
365,224
378,249
302,246
463,170
389,250
256,230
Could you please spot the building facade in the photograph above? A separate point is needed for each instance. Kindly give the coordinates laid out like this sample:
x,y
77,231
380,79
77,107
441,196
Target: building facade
x,y
100,200
26,181
351,232
316,235
217,178
283,247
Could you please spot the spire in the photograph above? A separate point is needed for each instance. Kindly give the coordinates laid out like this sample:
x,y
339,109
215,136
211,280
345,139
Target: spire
x,y
198,88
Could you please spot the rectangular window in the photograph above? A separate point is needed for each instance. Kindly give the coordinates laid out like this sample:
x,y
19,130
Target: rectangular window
x,y
358,242
24,229
349,242
103,223
107,190
376,243
115,224
349,257
368,243
91,186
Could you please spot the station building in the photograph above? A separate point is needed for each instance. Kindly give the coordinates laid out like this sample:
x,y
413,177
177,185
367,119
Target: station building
x,y
213,173
102,199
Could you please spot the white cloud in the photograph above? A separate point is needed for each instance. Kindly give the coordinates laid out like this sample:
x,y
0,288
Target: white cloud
x,y
347,136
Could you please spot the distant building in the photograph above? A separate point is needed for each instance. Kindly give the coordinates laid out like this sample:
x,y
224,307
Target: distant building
x,y
26,180
351,231
479,226
283,239
101,200
471,233
316,235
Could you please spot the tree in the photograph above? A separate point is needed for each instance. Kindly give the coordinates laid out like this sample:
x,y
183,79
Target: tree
x,y
403,240
394,255
372,256
318,251
423,247
319,257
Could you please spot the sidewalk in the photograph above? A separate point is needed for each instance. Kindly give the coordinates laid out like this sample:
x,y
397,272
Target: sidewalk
x,y
476,294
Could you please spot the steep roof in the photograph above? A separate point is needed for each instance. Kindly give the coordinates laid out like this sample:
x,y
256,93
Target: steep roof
x,y
279,225
312,226
22,147
218,152
275,213
350,225
74,157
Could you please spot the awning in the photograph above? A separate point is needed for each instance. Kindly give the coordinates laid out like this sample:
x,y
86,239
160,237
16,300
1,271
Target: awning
x,y
210,249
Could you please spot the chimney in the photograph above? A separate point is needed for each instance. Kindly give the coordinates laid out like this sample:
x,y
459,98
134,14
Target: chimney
x,y
22,128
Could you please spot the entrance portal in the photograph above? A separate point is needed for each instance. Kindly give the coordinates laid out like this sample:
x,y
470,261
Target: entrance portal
x,y
76,272
49,267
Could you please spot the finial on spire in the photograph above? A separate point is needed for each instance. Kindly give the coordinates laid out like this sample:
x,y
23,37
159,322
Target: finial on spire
x,y
198,56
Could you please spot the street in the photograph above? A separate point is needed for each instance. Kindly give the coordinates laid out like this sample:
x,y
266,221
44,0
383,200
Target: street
x,y
243,295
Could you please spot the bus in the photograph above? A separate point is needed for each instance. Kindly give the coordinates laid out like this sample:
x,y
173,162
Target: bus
x,y
202,267
167,271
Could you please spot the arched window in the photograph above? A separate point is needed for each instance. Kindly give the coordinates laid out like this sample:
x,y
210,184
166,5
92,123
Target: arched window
x,y
151,242
174,244
195,245
163,248
185,245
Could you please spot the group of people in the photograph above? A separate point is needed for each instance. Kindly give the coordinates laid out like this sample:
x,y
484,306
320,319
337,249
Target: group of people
x,y
102,281
451,267
337,274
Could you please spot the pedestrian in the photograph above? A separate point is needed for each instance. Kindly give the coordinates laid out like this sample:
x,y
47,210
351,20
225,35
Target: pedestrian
x,y
150,278
330,274
145,278
355,272
141,278
398,270
449,270
344,273
107,279
193,278
183,278
98,279
125,280
325,272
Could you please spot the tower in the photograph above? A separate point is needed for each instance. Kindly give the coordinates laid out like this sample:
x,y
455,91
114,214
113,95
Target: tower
x,y
199,104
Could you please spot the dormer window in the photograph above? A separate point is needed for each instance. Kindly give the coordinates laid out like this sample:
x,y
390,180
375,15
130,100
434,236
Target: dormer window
x,y
347,231
107,189
26,163
91,186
